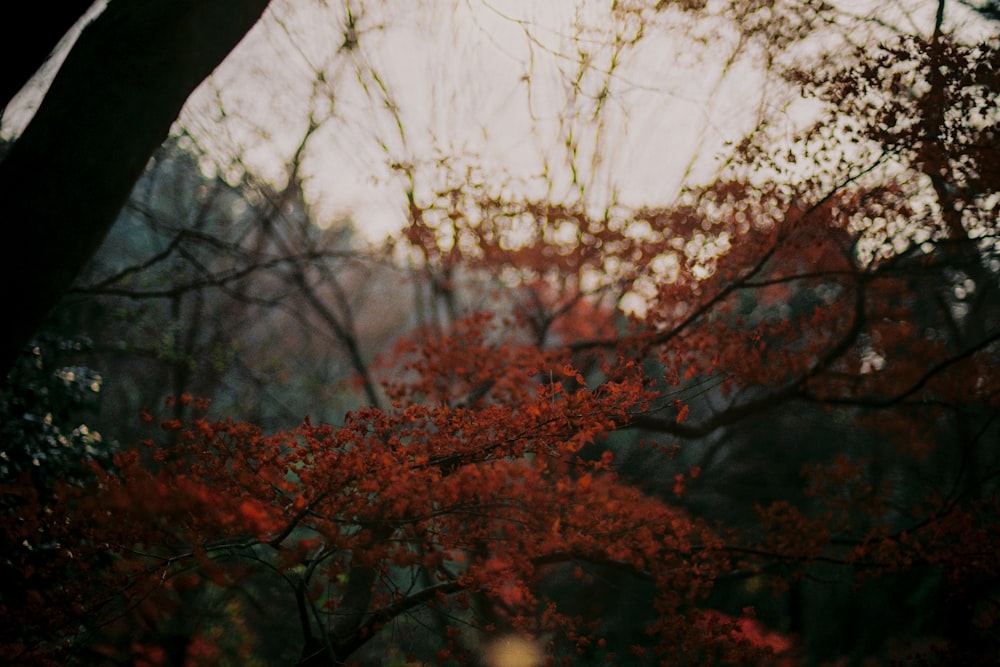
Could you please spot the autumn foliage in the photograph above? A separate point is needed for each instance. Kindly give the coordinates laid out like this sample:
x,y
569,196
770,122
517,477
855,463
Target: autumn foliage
x,y
767,385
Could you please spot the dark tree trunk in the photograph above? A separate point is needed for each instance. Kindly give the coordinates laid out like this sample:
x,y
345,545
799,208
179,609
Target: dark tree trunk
x,y
38,27
66,178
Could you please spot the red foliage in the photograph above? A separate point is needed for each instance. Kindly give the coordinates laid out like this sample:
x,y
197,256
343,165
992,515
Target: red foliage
x,y
497,472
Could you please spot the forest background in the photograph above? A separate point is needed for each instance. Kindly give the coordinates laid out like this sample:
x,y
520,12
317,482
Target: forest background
x,y
635,333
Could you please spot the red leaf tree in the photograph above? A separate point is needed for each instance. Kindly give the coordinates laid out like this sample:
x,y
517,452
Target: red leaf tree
x,y
803,392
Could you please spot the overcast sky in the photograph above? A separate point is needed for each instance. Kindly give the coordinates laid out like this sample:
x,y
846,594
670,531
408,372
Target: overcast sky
x,y
496,87
493,88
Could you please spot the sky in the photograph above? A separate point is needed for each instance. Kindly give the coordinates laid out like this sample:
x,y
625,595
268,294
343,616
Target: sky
x,y
445,91
450,88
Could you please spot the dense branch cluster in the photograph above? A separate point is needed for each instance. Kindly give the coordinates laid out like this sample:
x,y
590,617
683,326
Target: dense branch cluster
x,y
715,431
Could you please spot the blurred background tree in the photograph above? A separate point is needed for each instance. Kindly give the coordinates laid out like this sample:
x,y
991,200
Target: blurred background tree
x,y
845,370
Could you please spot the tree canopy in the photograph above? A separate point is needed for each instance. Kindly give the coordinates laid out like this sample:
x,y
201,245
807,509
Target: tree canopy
x,y
754,424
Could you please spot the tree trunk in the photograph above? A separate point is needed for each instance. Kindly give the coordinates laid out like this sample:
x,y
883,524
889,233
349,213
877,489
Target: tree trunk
x,y
66,178
39,26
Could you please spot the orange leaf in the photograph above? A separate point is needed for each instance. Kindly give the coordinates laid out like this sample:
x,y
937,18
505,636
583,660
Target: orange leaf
x,y
682,414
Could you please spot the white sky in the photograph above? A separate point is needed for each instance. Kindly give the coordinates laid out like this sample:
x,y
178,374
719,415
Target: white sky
x,y
485,84
488,85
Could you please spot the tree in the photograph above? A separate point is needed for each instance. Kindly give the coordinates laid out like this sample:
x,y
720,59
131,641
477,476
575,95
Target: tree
x,y
217,290
66,177
42,31
760,409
